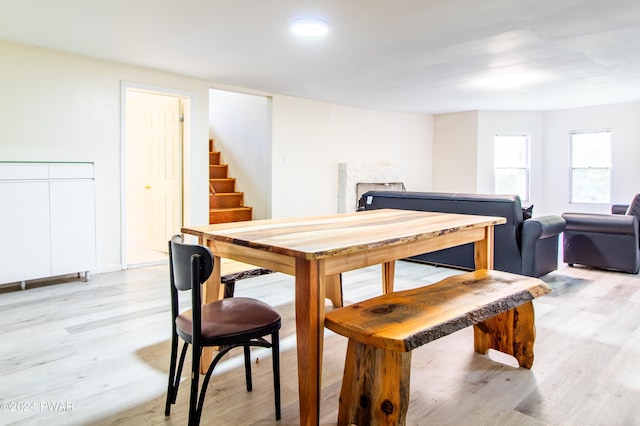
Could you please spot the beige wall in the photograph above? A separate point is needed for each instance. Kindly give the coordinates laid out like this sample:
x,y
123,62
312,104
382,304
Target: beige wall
x,y
455,152
463,152
311,138
62,107
624,122
492,122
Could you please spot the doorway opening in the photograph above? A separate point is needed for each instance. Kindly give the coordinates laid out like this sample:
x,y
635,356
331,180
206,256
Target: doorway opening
x,y
153,141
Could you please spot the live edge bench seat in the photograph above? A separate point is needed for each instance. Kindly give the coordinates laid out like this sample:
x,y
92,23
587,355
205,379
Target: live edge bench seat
x,y
384,330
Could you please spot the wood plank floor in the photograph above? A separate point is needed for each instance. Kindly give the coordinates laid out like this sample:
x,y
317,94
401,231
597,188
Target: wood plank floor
x,y
97,353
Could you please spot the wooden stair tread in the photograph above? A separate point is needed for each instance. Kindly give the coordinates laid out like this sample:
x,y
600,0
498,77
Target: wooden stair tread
x,y
222,185
228,209
223,200
229,193
232,214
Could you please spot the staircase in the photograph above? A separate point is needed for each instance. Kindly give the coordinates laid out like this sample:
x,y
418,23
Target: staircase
x,y
225,204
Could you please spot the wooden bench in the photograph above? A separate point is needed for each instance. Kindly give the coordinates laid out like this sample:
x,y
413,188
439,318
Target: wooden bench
x,y
384,330
232,271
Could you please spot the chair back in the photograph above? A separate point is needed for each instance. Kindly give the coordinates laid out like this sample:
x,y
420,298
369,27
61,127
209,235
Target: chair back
x,y
180,259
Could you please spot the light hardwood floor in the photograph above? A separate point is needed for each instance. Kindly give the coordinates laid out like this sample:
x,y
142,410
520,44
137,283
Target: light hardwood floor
x,y
97,353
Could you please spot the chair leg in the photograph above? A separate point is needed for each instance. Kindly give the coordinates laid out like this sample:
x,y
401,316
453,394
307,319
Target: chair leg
x,y
205,381
194,413
174,374
247,367
171,389
275,357
196,401
183,355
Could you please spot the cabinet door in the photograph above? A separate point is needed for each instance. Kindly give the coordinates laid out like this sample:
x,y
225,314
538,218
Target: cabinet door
x,y
24,225
73,234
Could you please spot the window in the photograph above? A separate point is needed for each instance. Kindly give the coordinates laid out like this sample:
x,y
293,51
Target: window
x,y
512,164
591,167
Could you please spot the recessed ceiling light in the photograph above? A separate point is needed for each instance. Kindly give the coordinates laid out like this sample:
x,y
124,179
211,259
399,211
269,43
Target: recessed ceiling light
x,y
310,27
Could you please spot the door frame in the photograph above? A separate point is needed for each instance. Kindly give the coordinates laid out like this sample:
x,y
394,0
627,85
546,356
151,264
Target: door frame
x,y
186,132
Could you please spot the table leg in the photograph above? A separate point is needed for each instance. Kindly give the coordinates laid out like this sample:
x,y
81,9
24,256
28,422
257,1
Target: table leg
x,y
483,257
310,282
388,273
213,289
483,250
333,290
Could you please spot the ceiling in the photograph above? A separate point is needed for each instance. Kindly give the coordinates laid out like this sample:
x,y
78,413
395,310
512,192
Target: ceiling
x,y
424,56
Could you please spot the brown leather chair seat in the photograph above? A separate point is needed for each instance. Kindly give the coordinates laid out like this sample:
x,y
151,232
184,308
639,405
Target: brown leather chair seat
x,y
228,318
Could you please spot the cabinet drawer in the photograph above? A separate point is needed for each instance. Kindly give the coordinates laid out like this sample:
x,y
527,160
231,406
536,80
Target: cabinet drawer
x,y
71,171
24,171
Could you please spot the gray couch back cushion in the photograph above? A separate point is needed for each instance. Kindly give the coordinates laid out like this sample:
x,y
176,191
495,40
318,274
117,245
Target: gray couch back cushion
x,y
507,236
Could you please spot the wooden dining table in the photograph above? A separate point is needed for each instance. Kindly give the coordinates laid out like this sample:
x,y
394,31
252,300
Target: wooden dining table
x,y
317,249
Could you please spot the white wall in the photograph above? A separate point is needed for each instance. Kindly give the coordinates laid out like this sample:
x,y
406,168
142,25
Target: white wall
x,y
624,122
455,152
463,152
63,107
240,126
492,122
311,138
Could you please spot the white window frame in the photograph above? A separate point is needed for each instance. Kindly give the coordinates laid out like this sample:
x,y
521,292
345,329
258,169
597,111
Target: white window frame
x,y
572,167
526,168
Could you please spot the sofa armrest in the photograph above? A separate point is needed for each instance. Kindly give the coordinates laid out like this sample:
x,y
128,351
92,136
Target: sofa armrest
x,y
619,208
601,223
541,227
539,244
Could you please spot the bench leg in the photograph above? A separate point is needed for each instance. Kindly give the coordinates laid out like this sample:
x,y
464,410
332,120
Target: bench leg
x,y
229,289
512,332
375,386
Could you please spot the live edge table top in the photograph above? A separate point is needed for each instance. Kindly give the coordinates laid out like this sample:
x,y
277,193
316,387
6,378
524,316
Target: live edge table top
x,y
319,237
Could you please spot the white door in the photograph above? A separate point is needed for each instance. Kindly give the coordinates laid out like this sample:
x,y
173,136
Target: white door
x,y
165,171
154,174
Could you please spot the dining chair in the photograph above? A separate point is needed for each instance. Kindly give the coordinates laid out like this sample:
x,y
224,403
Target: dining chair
x,y
227,324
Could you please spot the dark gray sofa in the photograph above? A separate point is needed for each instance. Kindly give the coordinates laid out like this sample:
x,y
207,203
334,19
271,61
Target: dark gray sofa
x,y
527,247
604,241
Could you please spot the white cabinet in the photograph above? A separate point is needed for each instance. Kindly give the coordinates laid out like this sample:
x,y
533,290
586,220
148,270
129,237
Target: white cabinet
x,y
47,220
